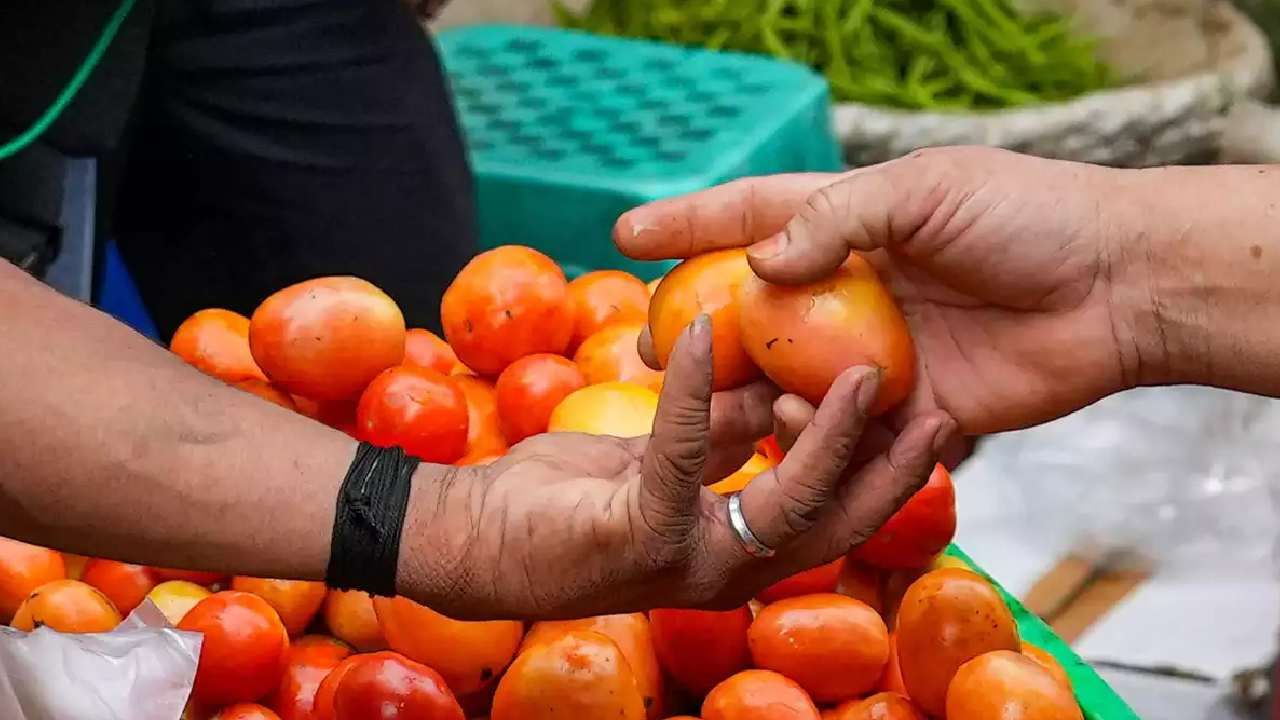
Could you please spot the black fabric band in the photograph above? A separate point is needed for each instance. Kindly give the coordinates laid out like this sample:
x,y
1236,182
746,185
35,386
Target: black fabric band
x,y
365,550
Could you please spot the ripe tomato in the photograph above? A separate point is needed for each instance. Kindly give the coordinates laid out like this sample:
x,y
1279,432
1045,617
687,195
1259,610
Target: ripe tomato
x,y
309,661
23,568
125,585
419,410
322,708
921,528
1048,662
470,655
705,284
350,616
618,408
295,601
246,711
530,389
326,339
507,303
819,580
484,429
268,392
834,646
754,465
244,651
634,638
199,577
861,582
603,297
580,674
758,695
175,598
216,342
610,354
804,336
425,349
701,648
891,680
882,706
1005,685
947,618
68,606
770,448
389,686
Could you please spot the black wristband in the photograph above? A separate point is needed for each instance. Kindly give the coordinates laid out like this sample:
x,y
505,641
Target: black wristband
x,y
365,550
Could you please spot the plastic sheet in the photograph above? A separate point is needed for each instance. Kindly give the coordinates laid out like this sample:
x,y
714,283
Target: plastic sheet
x,y
143,670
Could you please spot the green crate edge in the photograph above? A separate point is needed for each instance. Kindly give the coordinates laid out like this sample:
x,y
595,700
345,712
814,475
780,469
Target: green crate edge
x,y
1097,700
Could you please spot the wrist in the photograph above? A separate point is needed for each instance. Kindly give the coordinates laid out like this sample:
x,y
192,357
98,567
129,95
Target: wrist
x,y
431,551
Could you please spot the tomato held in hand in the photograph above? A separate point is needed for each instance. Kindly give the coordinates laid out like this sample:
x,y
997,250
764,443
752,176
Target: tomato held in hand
x,y
416,409
350,616
1005,685
947,618
819,580
326,339
295,601
804,336
216,342
68,606
244,651
602,297
388,686
23,568
699,648
705,284
125,585
611,355
425,349
309,662
921,528
758,695
484,428
529,391
634,638
580,674
505,304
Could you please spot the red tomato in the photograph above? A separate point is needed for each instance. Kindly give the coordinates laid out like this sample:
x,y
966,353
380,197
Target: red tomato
x,y
388,686
918,531
216,342
770,448
530,389
700,648
309,662
322,708
821,579
246,711
245,648
484,429
603,297
125,585
425,349
417,409
23,568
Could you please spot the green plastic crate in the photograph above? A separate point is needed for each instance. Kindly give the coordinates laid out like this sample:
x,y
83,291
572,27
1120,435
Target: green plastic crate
x,y
1096,698
567,130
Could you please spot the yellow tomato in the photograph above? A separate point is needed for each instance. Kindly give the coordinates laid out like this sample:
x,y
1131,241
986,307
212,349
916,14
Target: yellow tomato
x,y
620,409
176,597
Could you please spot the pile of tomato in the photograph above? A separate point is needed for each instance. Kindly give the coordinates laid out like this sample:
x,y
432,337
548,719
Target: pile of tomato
x,y
893,631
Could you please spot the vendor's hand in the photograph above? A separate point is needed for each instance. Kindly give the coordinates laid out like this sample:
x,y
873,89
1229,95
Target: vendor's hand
x,y
1002,264
569,525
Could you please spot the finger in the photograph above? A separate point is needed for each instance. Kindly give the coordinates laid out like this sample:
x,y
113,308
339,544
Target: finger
x,y
735,214
743,415
791,415
786,501
674,460
645,346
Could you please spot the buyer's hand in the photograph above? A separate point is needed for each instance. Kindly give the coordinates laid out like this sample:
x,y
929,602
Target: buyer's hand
x,y
569,525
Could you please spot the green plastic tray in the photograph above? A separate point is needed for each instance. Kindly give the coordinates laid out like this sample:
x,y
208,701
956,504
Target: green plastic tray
x,y
1096,698
567,130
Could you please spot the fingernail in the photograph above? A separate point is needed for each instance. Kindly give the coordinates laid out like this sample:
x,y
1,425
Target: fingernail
x,y
868,390
770,248
943,435
700,325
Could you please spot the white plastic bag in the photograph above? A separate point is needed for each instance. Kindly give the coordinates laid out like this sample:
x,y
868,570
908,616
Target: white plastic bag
x,y
142,670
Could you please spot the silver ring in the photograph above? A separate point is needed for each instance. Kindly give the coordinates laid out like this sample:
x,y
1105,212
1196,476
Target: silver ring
x,y
738,522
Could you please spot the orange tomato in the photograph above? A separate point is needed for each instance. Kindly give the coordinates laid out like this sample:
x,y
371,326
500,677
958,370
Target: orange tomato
x,y
68,606
602,297
267,391
705,284
125,585
618,408
755,465
610,355
74,564
327,339
921,528
580,674
388,686
246,711
634,638
425,349
470,655
175,598
834,646
23,568
484,430
882,706
947,618
1006,685
529,391
350,616
216,342
699,648
891,680
507,303
322,708
862,583
245,648
309,661
804,336
295,601
1048,662
758,695
199,577
821,579
419,410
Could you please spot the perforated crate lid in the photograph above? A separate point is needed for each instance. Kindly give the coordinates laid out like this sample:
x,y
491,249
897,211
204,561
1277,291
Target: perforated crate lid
x,y
563,104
